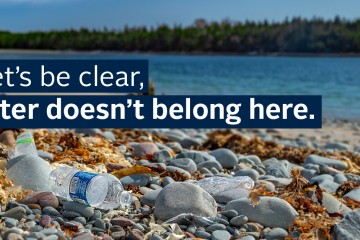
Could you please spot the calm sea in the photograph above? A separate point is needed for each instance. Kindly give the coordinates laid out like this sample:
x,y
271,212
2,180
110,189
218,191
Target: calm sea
x,y
336,79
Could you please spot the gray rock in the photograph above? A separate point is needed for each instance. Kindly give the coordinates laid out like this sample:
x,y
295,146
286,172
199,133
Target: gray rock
x,y
325,169
220,235
280,169
16,213
163,156
276,234
268,209
315,159
210,164
140,180
70,214
144,149
280,182
45,155
353,194
175,146
337,146
167,181
184,163
329,186
84,210
179,170
202,234
253,174
253,158
88,131
247,238
331,204
189,142
181,197
109,135
229,213
349,227
239,220
308,173
10,222
216,226
270,187
340,178
149,198
81,220
321,178
225,157
99,223
270,161
196,156
230,195
51,211
30,172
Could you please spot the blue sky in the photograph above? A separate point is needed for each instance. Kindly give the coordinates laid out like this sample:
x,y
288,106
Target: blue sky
x,y
28,15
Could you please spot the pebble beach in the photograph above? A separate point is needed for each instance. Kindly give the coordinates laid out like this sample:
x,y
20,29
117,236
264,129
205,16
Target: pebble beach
x,y
306,184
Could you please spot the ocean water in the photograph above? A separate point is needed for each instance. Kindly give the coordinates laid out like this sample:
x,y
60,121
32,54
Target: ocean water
x,y
337,79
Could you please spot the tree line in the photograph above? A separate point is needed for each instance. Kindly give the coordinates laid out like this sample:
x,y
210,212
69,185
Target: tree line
x,y
296,35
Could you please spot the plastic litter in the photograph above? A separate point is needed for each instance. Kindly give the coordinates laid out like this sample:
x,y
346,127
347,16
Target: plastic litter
x,y
190,218
25,145
215,185
99,190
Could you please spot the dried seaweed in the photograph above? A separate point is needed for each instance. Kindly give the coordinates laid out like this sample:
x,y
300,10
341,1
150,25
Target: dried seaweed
x,y
9,192
137,169
268,149
345,188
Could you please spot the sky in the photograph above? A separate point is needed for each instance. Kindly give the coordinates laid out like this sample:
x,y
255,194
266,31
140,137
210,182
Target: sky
x,y
32,15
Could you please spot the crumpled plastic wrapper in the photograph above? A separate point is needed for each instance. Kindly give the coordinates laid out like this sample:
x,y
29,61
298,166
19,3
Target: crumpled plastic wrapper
x,y
176,234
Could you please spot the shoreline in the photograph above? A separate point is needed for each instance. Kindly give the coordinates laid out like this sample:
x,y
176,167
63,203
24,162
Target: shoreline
x,y
135,53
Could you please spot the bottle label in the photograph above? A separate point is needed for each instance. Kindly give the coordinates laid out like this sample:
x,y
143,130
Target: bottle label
x,y
78,186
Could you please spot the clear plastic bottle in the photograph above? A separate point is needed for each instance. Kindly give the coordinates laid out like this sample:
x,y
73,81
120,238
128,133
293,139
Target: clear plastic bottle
x,y
25,145
215,185
98,190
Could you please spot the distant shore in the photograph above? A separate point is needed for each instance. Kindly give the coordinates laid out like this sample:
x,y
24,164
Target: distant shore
x,y
277,54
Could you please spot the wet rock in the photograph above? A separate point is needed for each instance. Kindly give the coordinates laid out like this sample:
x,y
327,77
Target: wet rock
x,y
181,197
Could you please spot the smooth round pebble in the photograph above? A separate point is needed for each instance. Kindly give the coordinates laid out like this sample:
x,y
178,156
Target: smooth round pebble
x,y
220,235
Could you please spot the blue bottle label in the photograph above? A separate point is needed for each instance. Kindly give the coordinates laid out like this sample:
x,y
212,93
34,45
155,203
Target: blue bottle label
x,y
78,186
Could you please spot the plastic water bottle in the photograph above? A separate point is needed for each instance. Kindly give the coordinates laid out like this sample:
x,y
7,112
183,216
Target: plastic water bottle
x,y
215,185
98,190
25,145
